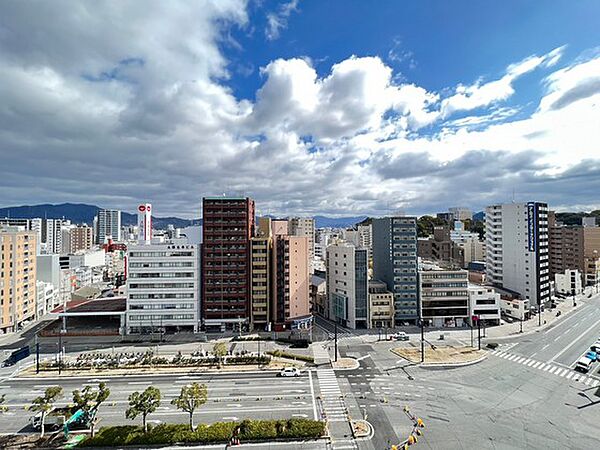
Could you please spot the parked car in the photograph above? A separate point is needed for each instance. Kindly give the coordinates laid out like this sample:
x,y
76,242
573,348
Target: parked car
x,y
592,355
595,347
289,372
400,336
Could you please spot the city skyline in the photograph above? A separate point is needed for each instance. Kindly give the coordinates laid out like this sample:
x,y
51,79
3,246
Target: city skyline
x,y
307,109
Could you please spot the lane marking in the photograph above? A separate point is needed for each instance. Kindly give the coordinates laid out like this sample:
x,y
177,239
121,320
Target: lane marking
x,y
570,375
574,342
312,393
553,369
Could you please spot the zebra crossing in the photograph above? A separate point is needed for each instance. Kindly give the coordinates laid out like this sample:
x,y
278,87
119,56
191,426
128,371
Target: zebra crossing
x,y
320,354
334,407
553,369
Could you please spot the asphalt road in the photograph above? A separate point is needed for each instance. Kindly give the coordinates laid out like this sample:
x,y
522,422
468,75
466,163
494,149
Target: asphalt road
x,y
230,397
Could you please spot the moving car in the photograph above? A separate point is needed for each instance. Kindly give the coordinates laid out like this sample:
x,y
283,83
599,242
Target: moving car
x,y
400,336
583,365
592,355
595,347
289,372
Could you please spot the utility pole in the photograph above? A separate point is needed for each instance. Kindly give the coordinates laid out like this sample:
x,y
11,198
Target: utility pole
x,y
60,352
521,323
422,341
335,340
471,324
37,354
479,331
539,312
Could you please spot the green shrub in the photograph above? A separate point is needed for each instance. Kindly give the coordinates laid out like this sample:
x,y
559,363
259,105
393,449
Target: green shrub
x,y
282,354
219,432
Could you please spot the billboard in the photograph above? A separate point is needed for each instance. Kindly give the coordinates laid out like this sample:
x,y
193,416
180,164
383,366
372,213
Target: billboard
x,y
532,226
145,223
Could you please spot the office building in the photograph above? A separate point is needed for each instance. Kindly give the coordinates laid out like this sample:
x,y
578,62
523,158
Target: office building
x,y
444,296
228,226
108,225
517,249
381,305
163,287
569,282
17,277
347,285
395,263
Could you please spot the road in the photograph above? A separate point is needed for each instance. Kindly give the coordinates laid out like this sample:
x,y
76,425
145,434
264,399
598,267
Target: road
x,y
230,397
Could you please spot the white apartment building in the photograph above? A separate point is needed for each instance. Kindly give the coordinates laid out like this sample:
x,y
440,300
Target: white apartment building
x,y
516,308
461,213
484,302
163,287
108,224
46,299
517,249
347,288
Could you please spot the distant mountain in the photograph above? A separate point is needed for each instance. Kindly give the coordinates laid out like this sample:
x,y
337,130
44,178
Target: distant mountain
x,y
479,215
337,222
82,213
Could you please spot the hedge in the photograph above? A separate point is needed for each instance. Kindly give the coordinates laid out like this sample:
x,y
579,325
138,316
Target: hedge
x,y
282,354
219,432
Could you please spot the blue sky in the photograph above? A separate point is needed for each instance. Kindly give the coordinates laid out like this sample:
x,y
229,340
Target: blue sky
x,y
310,107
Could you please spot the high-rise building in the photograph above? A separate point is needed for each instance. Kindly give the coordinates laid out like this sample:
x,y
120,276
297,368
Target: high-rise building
x,y
108,225
305,227
260,266
517,249
17,277
48,231
395,263
144,223
347,285
77,238
163,287
575,247
228,226
290,279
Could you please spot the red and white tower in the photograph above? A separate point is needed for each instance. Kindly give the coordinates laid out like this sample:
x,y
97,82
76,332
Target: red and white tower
x,y
145,223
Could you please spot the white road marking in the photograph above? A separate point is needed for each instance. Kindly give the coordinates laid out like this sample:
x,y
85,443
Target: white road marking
x,y
573,342
545,346
553,369
570,375
531,363
312,393
536,364
363,357
547,368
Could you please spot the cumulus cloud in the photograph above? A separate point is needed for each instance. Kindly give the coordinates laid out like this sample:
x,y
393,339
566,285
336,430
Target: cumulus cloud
x,y
118,103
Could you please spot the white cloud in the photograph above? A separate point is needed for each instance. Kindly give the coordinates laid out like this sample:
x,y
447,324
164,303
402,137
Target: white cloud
x,y
484,94
276,21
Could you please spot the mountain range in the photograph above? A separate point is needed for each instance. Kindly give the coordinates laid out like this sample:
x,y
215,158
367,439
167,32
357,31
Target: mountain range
x,y
82,213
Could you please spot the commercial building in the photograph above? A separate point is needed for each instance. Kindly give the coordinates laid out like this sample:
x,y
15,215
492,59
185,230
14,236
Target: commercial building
x,y
444,296
318,295
17,277
484,302
46,299
381,305
163,287
108,225
347,285
515,308
395,263
472,247
228,226
517,249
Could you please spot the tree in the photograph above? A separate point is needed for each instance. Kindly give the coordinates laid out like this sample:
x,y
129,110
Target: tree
x,y
425,225
220,350
45,403
89,400
3,407
144,404
190,398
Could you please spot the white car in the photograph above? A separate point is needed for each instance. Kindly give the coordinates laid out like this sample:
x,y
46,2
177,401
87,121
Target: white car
x,y
289,372
400,336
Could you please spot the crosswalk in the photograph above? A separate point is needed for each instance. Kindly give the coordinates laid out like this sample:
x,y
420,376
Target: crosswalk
x,y
334,407
551,368
320,354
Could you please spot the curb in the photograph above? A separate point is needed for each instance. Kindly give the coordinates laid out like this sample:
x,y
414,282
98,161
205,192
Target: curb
x,y
369,436
356,366
434,366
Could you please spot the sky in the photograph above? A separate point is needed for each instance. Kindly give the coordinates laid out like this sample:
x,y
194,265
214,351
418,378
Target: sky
x,y
341,107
